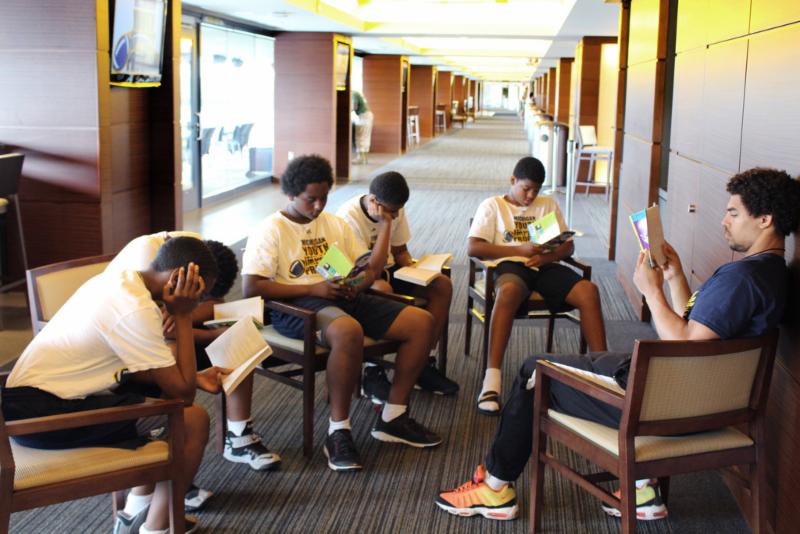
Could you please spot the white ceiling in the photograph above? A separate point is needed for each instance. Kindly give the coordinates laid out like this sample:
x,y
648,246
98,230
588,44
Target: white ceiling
x,y
502,40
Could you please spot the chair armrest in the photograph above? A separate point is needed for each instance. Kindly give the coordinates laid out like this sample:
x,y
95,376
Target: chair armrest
x,y
147,408
290,309
396,297
478,264
584,267
579,383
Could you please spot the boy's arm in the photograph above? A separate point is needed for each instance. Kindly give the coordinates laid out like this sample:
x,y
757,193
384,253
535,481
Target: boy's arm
x,y
402,256
564,250
480,248
258,286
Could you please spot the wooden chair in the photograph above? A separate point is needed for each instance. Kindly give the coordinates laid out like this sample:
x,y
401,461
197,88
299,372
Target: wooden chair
x,y
455,116
481,292
688,406
31,478
295,362
50,286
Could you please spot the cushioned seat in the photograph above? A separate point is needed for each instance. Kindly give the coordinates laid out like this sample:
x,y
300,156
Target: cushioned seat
x,y
655,447
38,467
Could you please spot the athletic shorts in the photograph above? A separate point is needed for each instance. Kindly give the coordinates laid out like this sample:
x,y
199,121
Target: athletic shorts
x,y
553,281
27,402
375,314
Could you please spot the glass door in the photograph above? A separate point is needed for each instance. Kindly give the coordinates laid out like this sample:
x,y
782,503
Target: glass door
x,y
195,140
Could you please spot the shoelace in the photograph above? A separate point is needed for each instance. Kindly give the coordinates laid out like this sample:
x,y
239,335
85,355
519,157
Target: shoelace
x,y
467,486
341,443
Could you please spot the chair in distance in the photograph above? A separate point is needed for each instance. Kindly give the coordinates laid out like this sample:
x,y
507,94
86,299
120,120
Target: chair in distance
x,y
480,291
413,126
587,150
31,478
441,118
689,406
455,116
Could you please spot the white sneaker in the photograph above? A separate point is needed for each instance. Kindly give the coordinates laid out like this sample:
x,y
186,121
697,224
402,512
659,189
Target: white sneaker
x,y
248,449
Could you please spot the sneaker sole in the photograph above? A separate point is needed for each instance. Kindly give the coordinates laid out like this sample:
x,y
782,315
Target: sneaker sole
x,y
339,467
645,513
241,460
373,400
389,438
499,514
435,392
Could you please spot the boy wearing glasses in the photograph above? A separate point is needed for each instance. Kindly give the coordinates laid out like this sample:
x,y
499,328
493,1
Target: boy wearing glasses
x,y
389,192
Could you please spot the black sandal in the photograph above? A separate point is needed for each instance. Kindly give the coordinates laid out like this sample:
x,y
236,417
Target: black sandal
x,y
489,396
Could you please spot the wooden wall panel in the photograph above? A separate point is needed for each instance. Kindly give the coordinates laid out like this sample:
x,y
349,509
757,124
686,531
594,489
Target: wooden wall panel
x,y
563,87
444,92
766,14
552,95
679,222
382,88
726,19
691,26
458,91
639,103
771,124
710,248
645,29
687,98
637,167
723,101
421,95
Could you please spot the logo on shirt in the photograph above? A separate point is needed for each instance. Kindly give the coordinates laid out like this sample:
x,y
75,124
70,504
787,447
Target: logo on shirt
x,y
313,251
689,305
520,233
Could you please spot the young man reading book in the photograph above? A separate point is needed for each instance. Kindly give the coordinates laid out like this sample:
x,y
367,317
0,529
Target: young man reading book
x,y
242,443
743,298
105,347
389,191
499,230
280,262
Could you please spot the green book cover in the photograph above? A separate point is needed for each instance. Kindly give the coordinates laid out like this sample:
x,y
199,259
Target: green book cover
x,y
334,264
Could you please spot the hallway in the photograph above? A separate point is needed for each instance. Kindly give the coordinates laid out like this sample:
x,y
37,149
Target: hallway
x,y
395,493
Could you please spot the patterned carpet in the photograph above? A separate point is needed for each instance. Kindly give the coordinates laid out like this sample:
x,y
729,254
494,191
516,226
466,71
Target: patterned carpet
x,y
394,494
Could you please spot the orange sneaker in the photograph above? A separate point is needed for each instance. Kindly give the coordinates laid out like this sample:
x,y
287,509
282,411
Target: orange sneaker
x,y
649,505
476,497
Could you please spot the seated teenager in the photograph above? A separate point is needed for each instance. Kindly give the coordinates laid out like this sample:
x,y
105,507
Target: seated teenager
x,y
743,298
389,192
500,229
242,444
280,262
105,348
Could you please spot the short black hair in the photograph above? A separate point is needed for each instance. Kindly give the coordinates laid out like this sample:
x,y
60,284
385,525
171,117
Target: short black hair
x,y
227,268
391,188
529,168
769,192
304,170
180,251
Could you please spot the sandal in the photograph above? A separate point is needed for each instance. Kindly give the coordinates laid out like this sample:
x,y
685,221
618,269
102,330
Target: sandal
x,y
488,397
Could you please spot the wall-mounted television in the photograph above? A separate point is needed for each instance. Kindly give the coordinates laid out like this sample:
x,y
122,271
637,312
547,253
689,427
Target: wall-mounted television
x,y
137,42
341,65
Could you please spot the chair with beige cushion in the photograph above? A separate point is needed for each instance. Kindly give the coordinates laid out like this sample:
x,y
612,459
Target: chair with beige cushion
x,y
689,406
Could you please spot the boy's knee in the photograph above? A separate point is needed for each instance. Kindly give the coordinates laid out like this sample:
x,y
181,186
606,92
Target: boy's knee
x,y
382,285
344,331
197,423
586,292
442,286
510,295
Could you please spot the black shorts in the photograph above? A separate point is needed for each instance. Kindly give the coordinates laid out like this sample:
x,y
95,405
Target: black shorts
x,y
27,402
375,314
553,281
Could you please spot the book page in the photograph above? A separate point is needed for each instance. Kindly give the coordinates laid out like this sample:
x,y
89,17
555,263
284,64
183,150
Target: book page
x,y
498,261
544,229
239,348
237,309
433,262
414,275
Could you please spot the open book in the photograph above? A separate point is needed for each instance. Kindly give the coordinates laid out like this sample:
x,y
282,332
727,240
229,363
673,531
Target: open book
x,y
239,348
547,232
650,234
335,265
497,261
227,313
425,270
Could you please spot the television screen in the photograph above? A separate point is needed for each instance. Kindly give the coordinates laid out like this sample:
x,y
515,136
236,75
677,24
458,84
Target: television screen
x,y
137,42
342,65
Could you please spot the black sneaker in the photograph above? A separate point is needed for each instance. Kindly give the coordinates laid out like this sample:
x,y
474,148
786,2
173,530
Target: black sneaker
x,y
430,379
248,449
341,452
403,429
375,385
195,499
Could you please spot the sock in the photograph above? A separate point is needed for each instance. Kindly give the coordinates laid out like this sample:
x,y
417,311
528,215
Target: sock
x,y
370,364
641,484
392,411
338,425
495,483
144,530
136,503
492,380
237,427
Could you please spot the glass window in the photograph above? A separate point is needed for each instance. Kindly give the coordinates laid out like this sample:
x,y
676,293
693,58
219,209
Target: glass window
x,y
237,92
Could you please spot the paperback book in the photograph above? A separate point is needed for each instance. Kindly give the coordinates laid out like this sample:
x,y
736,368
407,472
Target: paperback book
x,y
425,270
335,265
547,232
227,313
650,234
240,348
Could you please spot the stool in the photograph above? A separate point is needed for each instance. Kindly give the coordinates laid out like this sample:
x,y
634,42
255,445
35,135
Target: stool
x,y
589,151
441,118
413,130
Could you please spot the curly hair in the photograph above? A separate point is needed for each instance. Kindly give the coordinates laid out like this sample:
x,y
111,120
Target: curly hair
x,y
228,268
180,251
769,192
305,170
391,188
529,168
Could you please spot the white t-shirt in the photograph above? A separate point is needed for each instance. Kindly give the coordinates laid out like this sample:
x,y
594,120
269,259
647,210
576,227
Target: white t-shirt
x,y
501,223
140,253
288,252
367,229
110,324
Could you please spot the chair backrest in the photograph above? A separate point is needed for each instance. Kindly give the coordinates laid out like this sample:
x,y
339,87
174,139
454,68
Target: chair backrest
x,y
10,171
441,107
587,136
50,286
691,386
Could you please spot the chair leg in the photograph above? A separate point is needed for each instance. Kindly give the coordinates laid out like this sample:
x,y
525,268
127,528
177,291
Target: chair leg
x,y
583,346
443,347
222,422
551,326
537,481
468,328
117,504
590,176
485,347
627,503
308,409
758,486
663,486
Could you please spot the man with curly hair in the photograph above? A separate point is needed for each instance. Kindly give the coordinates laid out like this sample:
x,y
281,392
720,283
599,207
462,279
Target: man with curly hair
x,y
280,263
743,298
